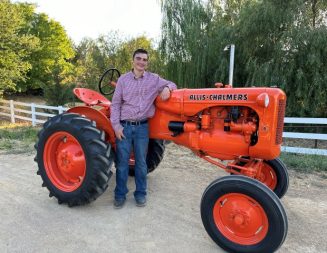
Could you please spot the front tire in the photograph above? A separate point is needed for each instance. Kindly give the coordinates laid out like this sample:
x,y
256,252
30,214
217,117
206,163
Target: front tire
x,y
242,215
274,174
73,158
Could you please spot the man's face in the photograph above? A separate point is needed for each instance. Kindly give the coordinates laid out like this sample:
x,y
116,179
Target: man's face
x,y
140,62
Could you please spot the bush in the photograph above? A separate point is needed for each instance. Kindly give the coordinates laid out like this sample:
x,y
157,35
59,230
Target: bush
x,y
59,94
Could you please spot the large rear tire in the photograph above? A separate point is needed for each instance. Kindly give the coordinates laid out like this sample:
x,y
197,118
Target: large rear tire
x,y
73,158
156,149
242,215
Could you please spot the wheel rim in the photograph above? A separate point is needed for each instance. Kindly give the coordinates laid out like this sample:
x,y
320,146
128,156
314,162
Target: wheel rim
x,y
64,161
240,219
268,176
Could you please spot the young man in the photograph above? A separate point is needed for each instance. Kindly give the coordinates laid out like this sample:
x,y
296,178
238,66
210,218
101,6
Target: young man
x,y
132,106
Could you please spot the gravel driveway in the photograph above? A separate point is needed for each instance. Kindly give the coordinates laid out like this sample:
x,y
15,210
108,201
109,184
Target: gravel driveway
x,y
30,221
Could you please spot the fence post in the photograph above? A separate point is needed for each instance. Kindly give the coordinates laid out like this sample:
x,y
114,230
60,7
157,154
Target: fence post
x,y
12,111
33,114
316,141
60,109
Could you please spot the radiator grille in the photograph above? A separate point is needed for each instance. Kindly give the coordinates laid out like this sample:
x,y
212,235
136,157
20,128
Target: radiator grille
x,y
280,121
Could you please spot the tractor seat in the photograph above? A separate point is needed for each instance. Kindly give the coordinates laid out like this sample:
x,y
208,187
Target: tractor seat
x,y
91,97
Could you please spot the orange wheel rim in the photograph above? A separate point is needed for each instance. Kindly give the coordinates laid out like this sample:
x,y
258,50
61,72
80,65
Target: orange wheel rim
x,y
268,176
64,161
240,219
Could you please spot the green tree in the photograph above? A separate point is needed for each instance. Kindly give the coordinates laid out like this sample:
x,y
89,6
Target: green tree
x,y
58,89
93,57
15,45
286,49
194,35
55,51
304,69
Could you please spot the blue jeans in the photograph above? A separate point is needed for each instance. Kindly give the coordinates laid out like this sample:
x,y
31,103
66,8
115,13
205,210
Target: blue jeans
x,y
137,137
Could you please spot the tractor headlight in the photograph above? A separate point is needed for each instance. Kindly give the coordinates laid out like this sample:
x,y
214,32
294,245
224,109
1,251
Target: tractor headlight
x,y
263,100
266,100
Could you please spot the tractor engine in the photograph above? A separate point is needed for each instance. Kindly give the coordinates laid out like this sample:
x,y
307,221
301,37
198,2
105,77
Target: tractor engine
x,y
223,123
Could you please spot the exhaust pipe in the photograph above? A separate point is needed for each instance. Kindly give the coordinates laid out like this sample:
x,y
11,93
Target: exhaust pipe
x,y
231,47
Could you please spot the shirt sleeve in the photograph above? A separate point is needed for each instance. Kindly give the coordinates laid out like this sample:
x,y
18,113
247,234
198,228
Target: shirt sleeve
x,y
162,83
116,105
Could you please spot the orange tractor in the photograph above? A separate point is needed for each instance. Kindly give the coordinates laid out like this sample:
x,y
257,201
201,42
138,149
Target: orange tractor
x,y
241,212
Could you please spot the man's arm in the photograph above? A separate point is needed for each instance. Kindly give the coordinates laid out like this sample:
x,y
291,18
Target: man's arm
x,y
115,110
162,83
165,87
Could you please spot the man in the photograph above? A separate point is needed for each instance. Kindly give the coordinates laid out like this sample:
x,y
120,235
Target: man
x,y
132,105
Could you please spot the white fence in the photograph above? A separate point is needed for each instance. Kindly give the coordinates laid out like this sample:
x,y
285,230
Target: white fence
x,y
29,112
308,136
35,114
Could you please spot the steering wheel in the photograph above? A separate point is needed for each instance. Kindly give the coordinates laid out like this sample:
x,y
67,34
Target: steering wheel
x,y
107,83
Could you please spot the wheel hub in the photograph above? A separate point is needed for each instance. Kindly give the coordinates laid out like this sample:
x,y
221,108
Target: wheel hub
x,y
64,161
268,176
240,218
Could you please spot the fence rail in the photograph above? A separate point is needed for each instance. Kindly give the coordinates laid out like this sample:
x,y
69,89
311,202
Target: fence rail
x,y
307,136
34,113
40,113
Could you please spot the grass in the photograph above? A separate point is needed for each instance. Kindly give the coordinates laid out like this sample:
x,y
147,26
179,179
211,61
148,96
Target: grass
x,y
17,138
305,163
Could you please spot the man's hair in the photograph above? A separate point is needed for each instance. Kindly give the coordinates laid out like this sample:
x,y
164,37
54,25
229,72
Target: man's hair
x,y
140,51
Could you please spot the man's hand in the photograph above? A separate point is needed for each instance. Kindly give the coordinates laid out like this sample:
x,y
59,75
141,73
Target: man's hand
x,y
165,94
119,134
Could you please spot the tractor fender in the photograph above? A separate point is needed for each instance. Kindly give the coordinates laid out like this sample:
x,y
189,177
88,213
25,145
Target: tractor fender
x,y
102,121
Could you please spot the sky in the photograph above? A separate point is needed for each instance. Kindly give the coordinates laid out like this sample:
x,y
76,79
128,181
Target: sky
x,y
86,18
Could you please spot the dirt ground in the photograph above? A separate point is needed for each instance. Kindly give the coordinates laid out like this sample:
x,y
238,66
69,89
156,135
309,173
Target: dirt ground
x,y
30,221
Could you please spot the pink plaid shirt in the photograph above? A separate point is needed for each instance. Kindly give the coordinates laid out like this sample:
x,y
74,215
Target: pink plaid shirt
x,y
133,98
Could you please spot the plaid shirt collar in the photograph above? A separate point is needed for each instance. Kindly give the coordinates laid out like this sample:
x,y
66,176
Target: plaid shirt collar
x,y
145,73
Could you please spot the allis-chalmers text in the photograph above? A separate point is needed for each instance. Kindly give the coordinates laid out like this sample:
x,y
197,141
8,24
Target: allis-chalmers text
x,y
219,97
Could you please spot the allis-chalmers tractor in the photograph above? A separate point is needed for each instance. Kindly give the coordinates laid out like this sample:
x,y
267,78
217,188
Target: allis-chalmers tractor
x,y
243,126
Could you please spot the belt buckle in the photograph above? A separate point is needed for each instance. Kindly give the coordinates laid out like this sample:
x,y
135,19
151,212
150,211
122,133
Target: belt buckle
x,y
134,123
